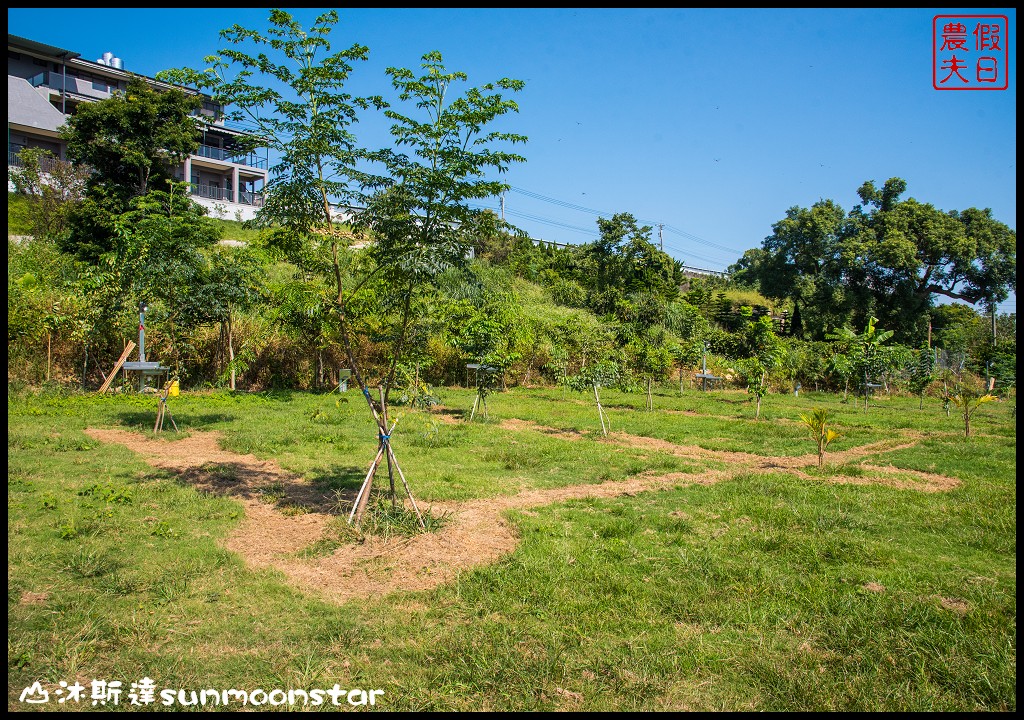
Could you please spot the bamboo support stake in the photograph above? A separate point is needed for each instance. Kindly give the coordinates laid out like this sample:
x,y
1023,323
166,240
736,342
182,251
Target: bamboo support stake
x,y
364,493
359,506
419,517
386,441
600,411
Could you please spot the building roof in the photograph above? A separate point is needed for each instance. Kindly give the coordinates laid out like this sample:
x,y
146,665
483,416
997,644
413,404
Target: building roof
x,y
26,107
41,48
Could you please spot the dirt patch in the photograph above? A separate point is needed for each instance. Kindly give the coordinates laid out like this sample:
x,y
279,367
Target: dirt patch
x,y
476,533
874,587
955,604
34,598
516,424
447,415
200,461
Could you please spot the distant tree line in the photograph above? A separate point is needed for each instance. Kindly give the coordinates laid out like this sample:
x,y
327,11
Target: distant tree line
x,y
832,300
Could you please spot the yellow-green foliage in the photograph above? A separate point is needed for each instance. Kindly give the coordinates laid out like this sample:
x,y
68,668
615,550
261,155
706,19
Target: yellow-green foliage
x,y
816,421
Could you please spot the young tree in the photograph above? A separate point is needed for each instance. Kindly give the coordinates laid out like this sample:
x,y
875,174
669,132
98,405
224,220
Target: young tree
x,y
865,354
237,277
766,352
288,85
922,372
445,158
968,399
817,423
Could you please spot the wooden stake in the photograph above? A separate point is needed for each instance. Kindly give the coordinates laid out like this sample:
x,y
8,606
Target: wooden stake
x,y
120,361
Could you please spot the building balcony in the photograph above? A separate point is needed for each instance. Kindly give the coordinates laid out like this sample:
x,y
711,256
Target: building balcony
x,y
46,164
210,192
216,153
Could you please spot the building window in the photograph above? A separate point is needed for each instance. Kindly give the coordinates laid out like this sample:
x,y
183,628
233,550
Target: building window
x,y
100,85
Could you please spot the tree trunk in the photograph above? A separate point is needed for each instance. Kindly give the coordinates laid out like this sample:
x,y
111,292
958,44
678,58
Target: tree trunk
x,y
85,363
48,338
231,352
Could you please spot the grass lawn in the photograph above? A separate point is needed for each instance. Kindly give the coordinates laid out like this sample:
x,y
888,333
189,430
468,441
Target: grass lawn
x,y
694,559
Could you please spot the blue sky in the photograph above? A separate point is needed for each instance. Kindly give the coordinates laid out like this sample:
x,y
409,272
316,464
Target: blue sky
x,y
710,122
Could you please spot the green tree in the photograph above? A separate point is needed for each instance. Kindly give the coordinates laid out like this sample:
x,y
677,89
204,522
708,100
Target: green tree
x,y
132,142
161,254
290,87
445,157
968,399
799,261
922,372
766,352
865,354
887,258
237,279
626,262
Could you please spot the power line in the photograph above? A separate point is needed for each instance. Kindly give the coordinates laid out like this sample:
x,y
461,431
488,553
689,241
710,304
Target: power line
x,y
581,208
688,254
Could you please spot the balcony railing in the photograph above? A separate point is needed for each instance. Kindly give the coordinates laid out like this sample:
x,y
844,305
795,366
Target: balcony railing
x,y
215,193
250,198
46,164
212,193
216,153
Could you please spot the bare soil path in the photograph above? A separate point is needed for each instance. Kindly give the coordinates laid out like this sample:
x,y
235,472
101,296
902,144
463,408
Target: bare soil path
x,y
476,532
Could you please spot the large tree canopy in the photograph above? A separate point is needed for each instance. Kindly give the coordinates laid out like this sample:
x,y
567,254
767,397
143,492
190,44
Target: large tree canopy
x,y
132,143
134,137
887,258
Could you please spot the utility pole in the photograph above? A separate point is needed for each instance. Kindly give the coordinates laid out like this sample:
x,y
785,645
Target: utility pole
x,y
661,236
502,197
993,308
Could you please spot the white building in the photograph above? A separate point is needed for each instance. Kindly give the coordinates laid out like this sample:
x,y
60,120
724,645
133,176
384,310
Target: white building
x,y
45,84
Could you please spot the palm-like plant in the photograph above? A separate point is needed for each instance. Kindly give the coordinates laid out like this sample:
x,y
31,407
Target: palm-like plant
x,y
968,400
816,422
